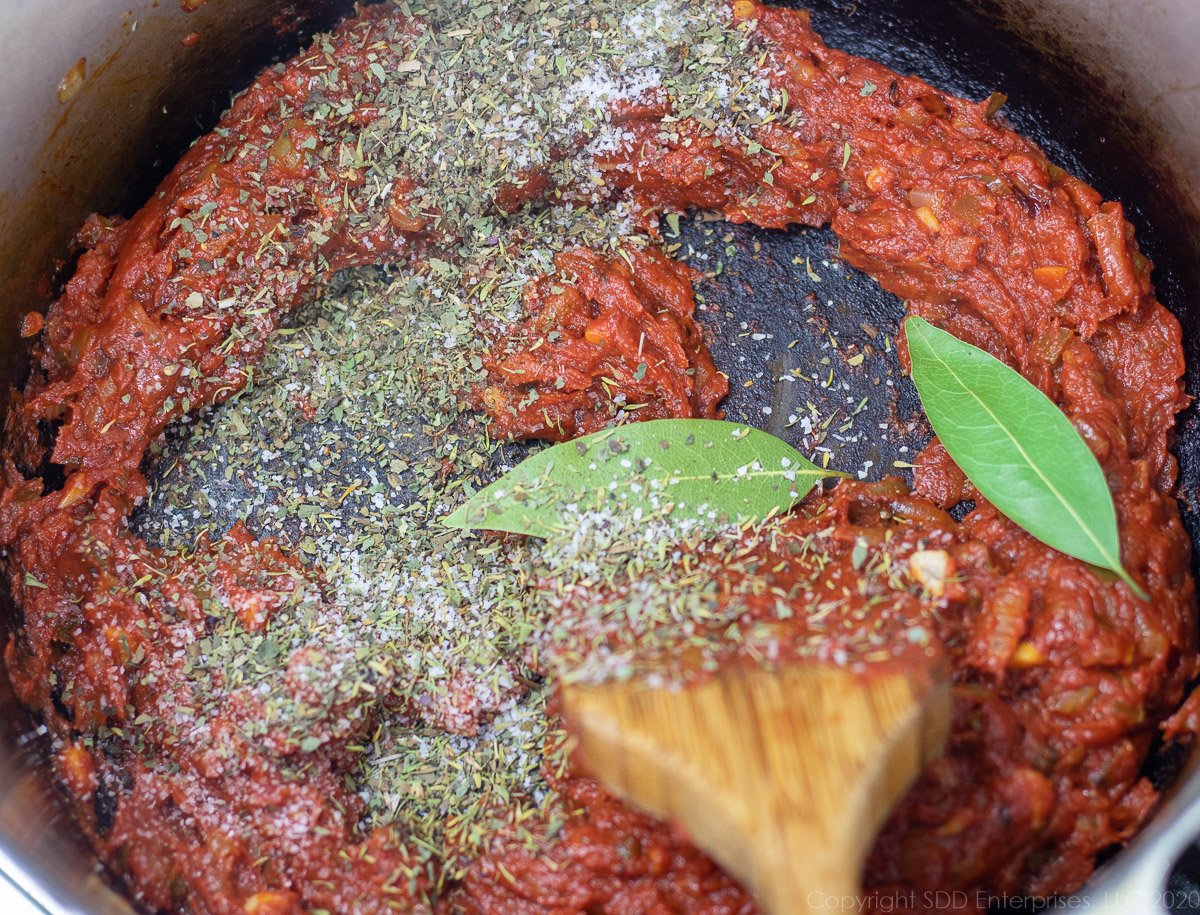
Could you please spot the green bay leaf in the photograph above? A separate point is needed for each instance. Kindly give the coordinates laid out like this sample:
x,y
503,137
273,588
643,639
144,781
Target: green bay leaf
x,y
1016,446
694,470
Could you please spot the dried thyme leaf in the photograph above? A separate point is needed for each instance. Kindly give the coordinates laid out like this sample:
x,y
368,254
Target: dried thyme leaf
x,y
995,102
697,470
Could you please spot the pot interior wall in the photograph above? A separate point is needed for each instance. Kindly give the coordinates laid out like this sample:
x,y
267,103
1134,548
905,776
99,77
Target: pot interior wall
x,y
1132,130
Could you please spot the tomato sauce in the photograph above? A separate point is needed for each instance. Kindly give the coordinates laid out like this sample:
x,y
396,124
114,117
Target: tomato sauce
x,y
1061,675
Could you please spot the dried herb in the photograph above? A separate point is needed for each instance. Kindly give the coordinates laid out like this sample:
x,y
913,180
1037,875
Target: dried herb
x,y
695,470
1016,446
994,103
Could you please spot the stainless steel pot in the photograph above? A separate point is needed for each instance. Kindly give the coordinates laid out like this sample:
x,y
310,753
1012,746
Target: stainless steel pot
x,y
99,94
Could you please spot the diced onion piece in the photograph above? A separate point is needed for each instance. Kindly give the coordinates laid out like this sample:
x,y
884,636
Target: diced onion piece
x,y
1027,655
1075,701
76,768
913,117
32,323
402,219
927,216
78,486
744,9
931,568
802,70
969,209
271,902
1056,278
922,197
957,823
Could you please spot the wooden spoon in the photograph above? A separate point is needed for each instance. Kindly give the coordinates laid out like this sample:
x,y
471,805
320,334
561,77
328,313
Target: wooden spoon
x,y
782,776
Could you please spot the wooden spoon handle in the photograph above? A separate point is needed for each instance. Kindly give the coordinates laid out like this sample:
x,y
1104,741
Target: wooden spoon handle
x,y
784,776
